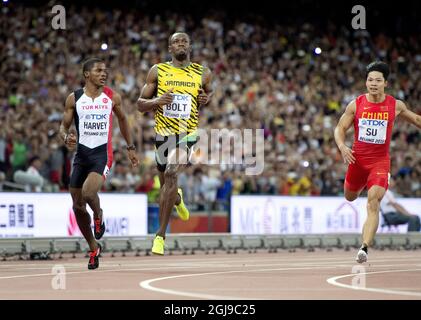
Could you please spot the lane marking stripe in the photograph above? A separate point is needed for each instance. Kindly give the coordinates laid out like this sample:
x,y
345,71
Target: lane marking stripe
x,y
333,281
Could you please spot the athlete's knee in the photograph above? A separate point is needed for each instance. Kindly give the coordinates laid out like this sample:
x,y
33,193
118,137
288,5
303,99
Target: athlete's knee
x,y
373,205
79,209
351,195
89,196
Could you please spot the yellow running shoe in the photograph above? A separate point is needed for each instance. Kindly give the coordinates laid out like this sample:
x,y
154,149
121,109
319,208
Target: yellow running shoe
x,y
158,245
182,210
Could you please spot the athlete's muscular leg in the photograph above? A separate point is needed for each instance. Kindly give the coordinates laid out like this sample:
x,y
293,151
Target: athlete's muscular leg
x,y
168,195
375,195
90,189
82,217
162,182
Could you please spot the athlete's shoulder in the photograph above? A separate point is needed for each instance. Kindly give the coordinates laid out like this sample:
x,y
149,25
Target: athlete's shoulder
x,y
198,66
70,100
399,102
165,64
109,92
152,74
161,68
351,107
400,105
77,94
361,98
352,103
392,99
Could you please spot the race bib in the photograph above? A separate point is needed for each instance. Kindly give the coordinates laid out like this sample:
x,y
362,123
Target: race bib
x,y
179,108
372,131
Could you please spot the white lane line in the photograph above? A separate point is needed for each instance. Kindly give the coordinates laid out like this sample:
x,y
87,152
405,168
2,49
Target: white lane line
x,y
86,271
146,268
234,263
294,259
146,284
333,281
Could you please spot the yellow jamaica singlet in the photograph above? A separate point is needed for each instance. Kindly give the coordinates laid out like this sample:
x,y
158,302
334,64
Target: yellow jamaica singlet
x,y
182,115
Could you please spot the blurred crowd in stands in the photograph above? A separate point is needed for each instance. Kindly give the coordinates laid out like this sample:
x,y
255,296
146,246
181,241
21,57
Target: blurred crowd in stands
x,y
266,76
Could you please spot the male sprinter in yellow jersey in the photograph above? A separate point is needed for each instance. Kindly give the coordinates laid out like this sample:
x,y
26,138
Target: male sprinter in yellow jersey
x,y
174,90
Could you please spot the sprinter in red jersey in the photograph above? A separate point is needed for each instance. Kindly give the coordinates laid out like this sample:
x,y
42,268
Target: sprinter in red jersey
x,y
373,115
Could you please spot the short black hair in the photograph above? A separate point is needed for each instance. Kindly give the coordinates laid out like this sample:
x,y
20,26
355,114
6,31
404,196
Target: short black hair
x,y
89,64
170,38
380,67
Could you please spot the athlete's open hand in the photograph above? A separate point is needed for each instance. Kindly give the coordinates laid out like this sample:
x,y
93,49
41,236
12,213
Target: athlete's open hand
x,y
202,98
133,157
70,140
347,154
166,98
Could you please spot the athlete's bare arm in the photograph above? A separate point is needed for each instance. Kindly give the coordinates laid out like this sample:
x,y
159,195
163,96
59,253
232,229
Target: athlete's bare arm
x,y
205,93
344,124
69,108
124,127
407,114
146,101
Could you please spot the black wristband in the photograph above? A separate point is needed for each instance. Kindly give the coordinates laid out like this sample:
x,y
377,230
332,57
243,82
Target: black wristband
x,y
131,147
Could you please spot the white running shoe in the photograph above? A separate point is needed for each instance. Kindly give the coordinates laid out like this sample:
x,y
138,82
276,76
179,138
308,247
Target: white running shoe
x,y
361,256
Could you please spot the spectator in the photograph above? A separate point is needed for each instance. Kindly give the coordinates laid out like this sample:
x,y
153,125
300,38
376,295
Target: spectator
x,y
31,178
19,155
35,165
395,214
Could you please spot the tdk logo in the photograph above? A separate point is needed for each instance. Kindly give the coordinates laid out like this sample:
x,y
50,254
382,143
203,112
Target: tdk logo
x,y
96,116
376,123
181,98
